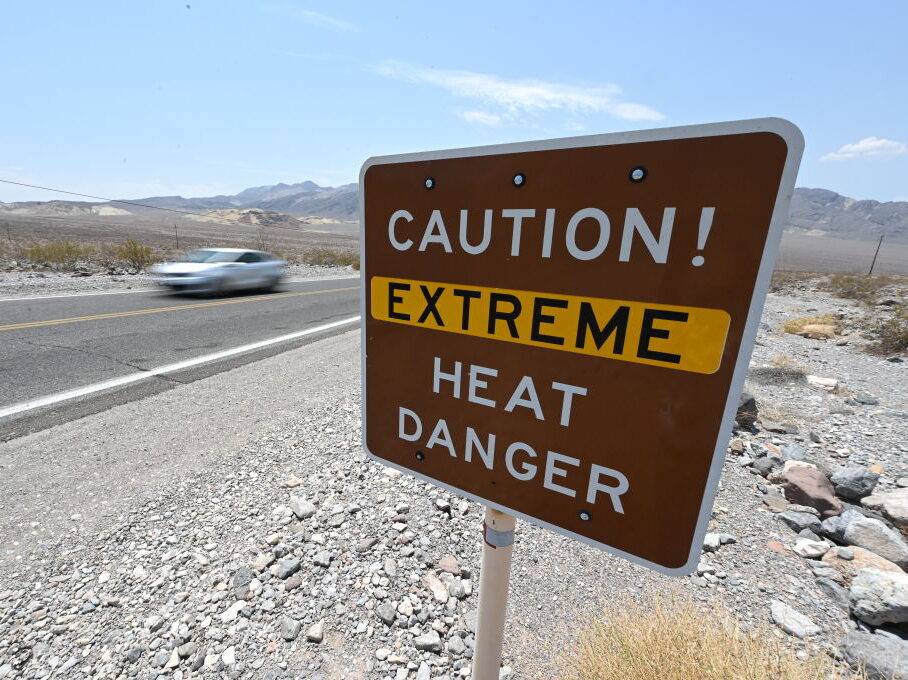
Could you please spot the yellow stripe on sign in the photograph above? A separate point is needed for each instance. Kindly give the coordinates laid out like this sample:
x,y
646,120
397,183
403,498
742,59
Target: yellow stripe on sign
x,y
683,338
158,310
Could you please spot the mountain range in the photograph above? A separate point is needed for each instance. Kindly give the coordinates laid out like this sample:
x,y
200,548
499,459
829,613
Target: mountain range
x,y
305,199
813,211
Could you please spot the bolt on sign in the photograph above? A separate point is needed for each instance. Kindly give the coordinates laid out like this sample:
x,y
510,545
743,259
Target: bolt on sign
x,y
561,329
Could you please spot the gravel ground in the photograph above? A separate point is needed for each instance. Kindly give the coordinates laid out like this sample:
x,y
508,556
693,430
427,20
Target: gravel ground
x,y
293,556
24,284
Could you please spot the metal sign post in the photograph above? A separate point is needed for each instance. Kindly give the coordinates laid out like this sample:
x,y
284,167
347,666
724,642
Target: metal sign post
x,y
494,579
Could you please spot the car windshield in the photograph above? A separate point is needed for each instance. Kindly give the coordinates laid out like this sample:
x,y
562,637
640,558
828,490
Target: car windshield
x,y
211,256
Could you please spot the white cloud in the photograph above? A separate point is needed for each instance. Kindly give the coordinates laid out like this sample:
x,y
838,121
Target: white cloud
x,y
869,146
516,97
313,17
481,117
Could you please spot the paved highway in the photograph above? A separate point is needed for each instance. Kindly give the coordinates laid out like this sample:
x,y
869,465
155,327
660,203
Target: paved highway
x,y
68,356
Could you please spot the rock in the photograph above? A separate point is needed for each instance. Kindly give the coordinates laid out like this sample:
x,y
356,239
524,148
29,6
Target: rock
x,y
228,656
810,549
430,642
806,485
828,384
748,412
834,527
794,452
866,399
775,502
449,565
290,628
854,481
390,567
767,465
322,558
779,428
436,587
456,646
471,618
873,535
423,673
458,589
287,567
386,612
711,542
881,657
893,505
798,521
187,650
242,577
292,482
880,597
844,553
791,621
366,545
233,611
860,559
263,560
316,632
154,623
837,593
302,508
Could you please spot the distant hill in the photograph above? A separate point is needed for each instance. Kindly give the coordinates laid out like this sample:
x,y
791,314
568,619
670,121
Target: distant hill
x,y
60,209
813,211
306,199
820,211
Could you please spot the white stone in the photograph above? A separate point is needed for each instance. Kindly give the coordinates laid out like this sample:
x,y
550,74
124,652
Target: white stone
x,y
810,549
791,621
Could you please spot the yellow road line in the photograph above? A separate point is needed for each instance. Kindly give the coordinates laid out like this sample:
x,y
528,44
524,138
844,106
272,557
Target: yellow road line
x,y
138,312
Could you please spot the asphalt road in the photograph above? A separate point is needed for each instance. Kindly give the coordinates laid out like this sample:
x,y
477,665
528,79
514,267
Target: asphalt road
x,y
57,345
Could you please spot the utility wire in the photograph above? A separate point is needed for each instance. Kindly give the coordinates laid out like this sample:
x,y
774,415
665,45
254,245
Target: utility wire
x,y
109,200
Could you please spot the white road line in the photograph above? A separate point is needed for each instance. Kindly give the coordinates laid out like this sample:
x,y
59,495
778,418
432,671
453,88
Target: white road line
x,y
169,368
315,279
67,295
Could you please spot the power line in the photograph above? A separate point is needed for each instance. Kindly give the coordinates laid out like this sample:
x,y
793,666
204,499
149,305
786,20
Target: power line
x,y
109,200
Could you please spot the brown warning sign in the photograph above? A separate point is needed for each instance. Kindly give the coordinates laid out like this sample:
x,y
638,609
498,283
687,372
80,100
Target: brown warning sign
x,y
561,329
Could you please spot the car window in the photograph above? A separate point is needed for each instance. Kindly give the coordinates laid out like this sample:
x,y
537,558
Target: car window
x,y
211,256
250,257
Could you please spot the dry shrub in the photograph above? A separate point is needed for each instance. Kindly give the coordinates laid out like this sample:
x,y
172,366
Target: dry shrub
x,y
676,639
60,254
782,279
135,255
891,334
859,287
329,256
797,325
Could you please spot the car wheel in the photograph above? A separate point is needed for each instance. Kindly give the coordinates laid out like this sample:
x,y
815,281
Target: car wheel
x,y
218,288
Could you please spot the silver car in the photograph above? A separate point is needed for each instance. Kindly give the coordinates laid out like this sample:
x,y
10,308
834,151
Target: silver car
x,y
219,270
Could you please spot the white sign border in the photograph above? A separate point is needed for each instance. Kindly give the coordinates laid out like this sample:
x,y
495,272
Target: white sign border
x,y
794,140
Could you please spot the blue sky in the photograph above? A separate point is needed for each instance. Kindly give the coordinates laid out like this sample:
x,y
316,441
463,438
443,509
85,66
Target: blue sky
x,y
132,99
